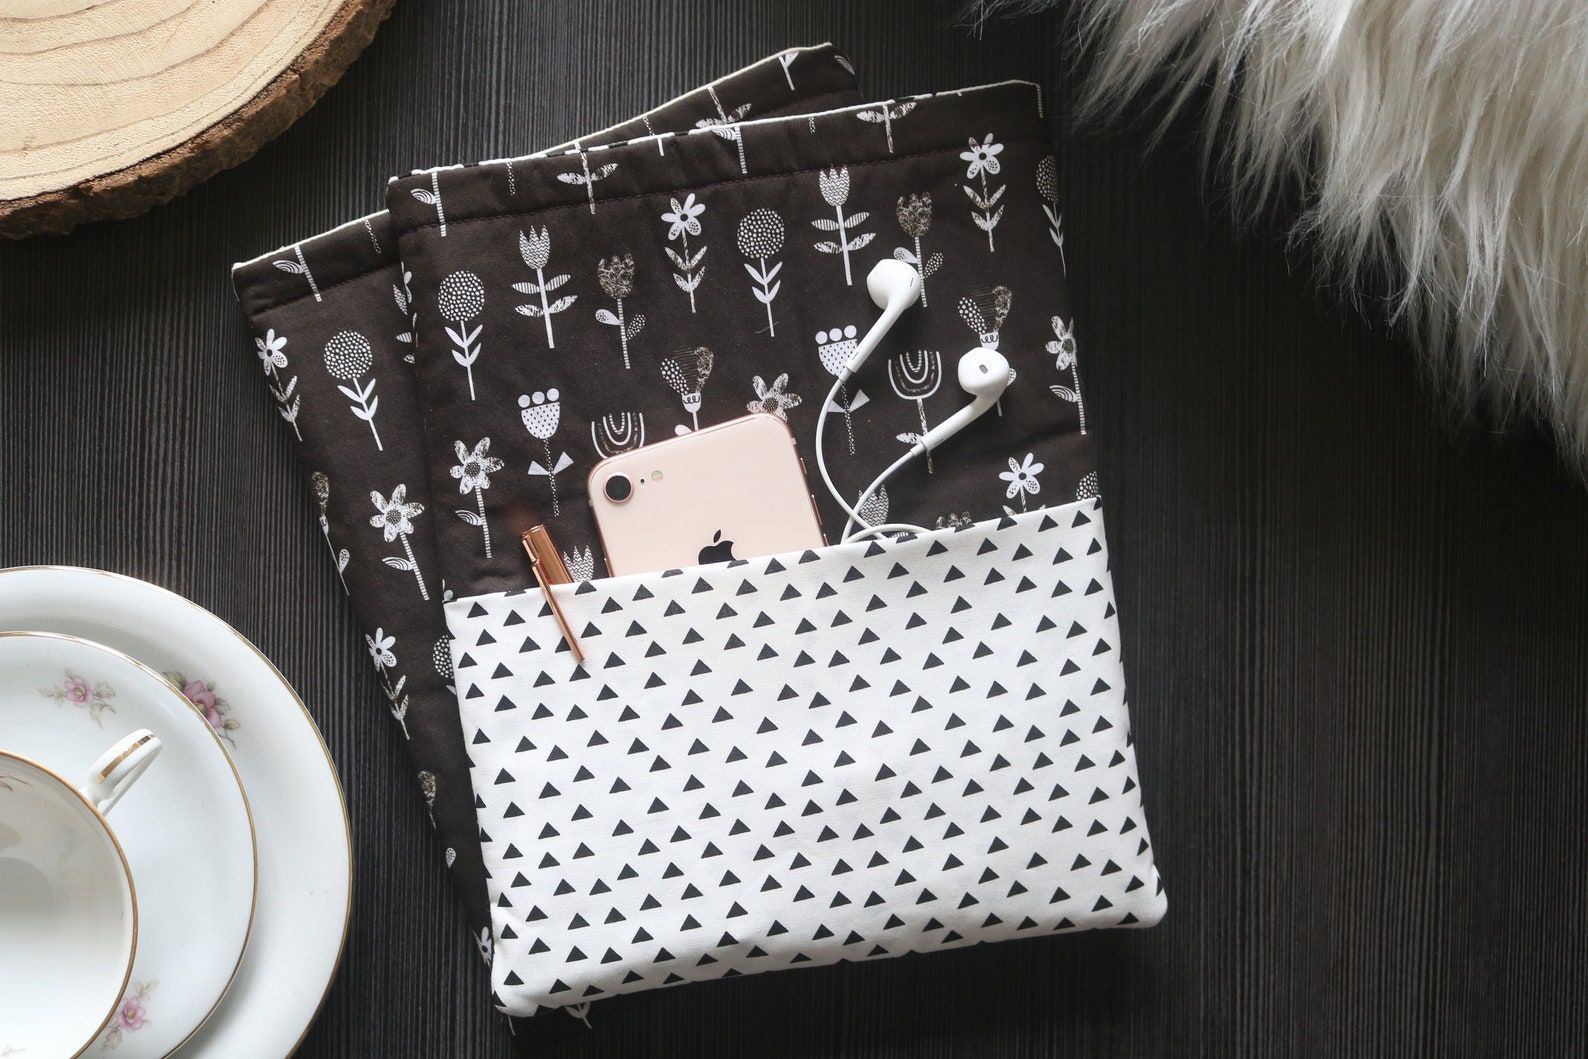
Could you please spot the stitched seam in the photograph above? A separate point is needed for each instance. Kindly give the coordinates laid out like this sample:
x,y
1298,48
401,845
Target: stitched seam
x,y
394,260
584,205
327,288
789,115
541,210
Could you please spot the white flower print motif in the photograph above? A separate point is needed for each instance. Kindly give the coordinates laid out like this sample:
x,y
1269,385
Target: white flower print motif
x,y
404,298
441,658
915,377
915,217
298,265
835,347
588,178
725,125
775,398
834,184
535,249
874,509
473,472
760,238
270,347
1087,487
348,357
984,313
1062,348
982,158
885,115
981,162
1022,480
580,564
460,298
289,403
684,217
686,372
616,274
541,414
380,652
432,197
427,791
273,359
394,518
320,485
483,940
617,432
683,221
380,649
1048,188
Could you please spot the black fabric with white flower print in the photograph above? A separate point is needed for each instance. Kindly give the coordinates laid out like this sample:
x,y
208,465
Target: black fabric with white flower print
x,y
722,270
334,323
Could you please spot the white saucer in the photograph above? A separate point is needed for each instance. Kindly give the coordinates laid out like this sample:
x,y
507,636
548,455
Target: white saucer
x,y
305,858
185,826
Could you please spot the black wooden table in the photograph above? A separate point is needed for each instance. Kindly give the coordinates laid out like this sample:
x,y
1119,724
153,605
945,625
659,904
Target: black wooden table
x,y
1355,626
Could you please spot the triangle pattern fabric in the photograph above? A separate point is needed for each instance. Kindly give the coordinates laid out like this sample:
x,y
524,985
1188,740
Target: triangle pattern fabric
x,y
891,789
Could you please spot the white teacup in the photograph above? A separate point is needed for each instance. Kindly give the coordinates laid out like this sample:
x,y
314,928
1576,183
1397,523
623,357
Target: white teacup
x,y
68,910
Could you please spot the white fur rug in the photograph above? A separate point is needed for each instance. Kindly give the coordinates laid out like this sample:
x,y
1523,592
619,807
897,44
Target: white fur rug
x,y
1441,143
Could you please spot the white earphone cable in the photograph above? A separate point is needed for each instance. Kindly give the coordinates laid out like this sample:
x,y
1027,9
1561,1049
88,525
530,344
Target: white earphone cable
x,y
866,528
821,453
877,483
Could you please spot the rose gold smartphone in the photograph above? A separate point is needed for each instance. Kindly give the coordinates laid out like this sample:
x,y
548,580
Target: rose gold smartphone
x,y
733,491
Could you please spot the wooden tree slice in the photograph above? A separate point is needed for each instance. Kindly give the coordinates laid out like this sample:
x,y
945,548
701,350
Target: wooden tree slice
x,y
110,107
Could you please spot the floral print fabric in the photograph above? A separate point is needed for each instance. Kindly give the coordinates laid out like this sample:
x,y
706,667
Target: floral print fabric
x,y
722,270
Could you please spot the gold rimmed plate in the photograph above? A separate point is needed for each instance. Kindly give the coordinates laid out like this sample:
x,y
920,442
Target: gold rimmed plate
x,y
303,851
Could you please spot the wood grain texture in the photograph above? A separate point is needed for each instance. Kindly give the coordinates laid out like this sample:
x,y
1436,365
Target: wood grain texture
x,y
1353,626
107,109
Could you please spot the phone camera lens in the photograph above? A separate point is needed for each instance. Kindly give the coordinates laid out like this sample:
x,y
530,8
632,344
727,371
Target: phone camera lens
x,y
618,488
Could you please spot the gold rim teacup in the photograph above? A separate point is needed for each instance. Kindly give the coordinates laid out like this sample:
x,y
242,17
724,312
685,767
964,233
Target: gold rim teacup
x,y
68,906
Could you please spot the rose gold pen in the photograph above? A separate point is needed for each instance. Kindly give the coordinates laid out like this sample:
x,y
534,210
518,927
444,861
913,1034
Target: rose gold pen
x,y
549,570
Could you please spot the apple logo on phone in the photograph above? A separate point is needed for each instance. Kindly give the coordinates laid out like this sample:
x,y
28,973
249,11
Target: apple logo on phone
x,y
718,551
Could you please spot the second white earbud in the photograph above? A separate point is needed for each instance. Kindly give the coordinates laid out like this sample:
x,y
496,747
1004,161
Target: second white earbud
x,y
984,374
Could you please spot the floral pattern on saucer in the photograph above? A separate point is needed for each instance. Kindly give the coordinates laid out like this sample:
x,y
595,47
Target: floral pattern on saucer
x,y
132,1015
77,691
216,710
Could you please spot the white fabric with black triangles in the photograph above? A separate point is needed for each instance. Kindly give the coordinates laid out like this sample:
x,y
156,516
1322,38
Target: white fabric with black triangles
x,y
849,754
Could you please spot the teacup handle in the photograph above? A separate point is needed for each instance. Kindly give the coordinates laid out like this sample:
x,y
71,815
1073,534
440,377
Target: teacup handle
x,y
118,768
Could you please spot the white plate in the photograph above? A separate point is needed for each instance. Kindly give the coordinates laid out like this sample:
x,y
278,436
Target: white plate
x,y
305,858
185,825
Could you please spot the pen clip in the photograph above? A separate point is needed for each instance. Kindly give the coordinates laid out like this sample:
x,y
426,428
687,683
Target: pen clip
x,y
537,564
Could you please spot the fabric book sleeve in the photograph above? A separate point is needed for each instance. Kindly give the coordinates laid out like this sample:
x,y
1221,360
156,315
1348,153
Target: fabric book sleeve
x,y
334,320
854,752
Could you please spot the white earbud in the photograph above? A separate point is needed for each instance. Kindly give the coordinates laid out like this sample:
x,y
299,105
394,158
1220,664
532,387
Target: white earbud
x,y
984,374
894,287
